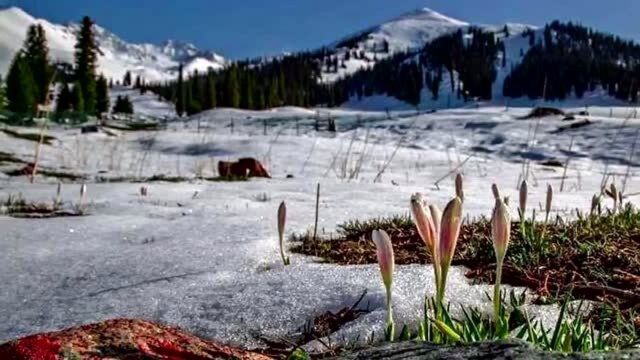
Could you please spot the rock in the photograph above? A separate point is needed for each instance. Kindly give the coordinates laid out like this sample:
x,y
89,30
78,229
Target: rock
x,y
245,167
486,350
120,339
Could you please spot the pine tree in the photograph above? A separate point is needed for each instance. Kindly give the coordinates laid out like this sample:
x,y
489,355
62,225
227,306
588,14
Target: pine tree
x,y
77,98
65,100
86,56
21,92
180,94
233,88
102,93
37,55
123,105
210,95
126,80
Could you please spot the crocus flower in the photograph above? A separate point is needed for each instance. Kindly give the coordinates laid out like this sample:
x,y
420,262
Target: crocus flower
x,y
523,199
547,207
459,190
449,232
384,251
501,233
282,216
428,226
425,223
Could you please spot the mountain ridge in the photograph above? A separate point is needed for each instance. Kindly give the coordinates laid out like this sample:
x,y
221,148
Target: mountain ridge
x,y
150,61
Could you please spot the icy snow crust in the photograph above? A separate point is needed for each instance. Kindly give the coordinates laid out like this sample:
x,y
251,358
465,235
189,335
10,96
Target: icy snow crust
x,y
204,256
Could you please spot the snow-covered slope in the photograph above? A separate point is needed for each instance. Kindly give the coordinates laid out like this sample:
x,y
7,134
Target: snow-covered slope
x,y
152,62
411,30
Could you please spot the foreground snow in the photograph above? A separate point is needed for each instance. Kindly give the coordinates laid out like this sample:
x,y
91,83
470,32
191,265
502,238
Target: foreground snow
x,y
204,255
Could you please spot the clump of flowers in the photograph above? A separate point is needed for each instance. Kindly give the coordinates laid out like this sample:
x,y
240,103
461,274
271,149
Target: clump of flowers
x,y
384,251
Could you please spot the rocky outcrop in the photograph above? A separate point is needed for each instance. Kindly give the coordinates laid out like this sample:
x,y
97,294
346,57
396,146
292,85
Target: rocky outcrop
x,y
120,339
487,350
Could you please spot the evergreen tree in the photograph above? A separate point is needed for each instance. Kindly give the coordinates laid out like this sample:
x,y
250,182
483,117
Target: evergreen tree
x,y
65,100
77,98
233,88
180,94
138,83
209,101
37,55
123,105
126,80
21,92
102,93
86,56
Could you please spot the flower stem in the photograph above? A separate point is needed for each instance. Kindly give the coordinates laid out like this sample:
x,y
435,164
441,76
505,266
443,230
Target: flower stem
x,y
496,292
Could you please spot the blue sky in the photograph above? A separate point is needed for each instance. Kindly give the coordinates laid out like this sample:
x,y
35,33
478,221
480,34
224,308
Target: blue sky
x,y
244,28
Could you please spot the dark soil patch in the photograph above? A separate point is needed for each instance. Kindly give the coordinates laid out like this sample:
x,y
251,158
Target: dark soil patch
x,y
542,112
135,126
10,158
47,139
18,207
575,125
28,169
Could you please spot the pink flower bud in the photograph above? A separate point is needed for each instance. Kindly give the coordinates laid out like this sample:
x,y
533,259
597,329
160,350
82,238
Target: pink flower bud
x,y
496,192
449,232
500,229
459,190
424,223
547,208
523,198
282,216
384,250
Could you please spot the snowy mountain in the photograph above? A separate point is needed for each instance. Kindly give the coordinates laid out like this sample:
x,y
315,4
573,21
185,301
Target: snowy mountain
x,y
409,31
151,62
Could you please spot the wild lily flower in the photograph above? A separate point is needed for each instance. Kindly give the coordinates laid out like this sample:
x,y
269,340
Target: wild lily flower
x,y
547,207
500,233
523,200
449,233
428,225
282,216
459,190
384,251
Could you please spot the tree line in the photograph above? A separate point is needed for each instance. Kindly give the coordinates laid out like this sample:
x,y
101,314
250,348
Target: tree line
x,y
32,77
571,59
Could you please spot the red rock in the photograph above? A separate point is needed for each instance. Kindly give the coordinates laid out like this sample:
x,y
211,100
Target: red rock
x,y
243,167
122,339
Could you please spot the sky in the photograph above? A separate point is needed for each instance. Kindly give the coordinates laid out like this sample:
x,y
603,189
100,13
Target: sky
x,y
248,28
